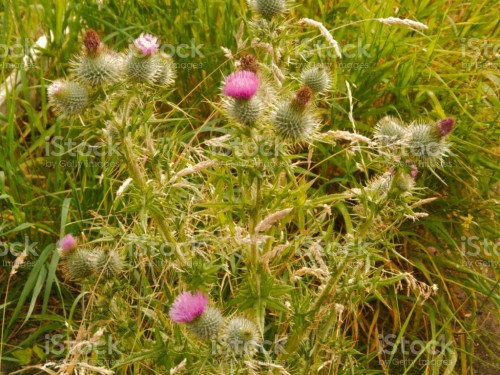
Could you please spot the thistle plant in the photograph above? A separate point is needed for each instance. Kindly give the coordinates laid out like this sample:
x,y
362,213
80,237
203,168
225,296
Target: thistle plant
x,y
254,205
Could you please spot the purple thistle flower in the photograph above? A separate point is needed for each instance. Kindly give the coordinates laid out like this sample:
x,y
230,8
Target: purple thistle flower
x,y
414,170
188,306
445,126
241,85
68,243
147,44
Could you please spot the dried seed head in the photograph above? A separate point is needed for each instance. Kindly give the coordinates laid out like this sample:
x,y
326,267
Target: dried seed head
x,y
303,97
250,63
92,42
445,126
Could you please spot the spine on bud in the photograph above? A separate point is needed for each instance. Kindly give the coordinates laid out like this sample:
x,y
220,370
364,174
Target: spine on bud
x,y
207,325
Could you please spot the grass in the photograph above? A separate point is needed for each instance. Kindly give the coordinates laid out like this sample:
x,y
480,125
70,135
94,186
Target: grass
x,y
326,285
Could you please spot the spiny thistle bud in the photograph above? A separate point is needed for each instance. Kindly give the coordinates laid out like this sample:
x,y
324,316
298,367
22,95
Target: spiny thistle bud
x,y
79,263
242,336
67,98
139,68
102,68
92,42
112,133
207,325
293,123
445,126
245,111
388,131
108,264
244,106
425,143
165,70
404,182
302,97
191,308
268,8
249,63
142,64
316,78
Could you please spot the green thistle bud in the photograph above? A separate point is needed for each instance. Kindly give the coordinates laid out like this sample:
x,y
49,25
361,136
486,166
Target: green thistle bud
x,y
108,264
268,8
165,73
67,98
98,69
242,336
140,68
79,264
112,133
207,325
404,182
425,142
316,78
245,111
388,131
292,122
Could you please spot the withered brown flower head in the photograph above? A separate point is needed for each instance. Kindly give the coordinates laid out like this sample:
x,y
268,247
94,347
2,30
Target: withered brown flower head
x,y
250,63
303,96
91,41
445,126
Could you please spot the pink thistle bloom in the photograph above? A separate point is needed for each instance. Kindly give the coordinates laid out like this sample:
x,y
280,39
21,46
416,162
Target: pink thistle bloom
x,y
241,85
188,306
68,243
56,88
147,44
414,170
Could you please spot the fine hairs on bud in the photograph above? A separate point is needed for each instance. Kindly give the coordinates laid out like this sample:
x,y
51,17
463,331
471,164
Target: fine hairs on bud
x,y
67,98
424,142
244,111
292,122
165,73
242,336
108,264
207,325
404,182
316,78
389,130
142,64
79,264
268,8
